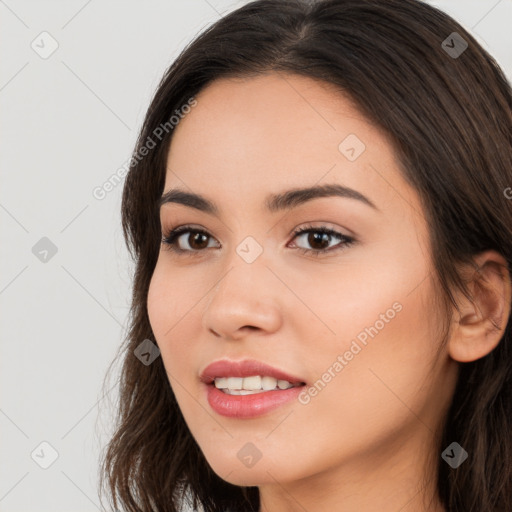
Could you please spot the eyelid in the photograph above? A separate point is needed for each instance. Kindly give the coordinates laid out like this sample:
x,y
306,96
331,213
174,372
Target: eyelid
x,y
345,240
169,239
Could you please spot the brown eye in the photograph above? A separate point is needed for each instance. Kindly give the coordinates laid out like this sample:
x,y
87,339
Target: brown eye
x,y
319,239
187,240
197,240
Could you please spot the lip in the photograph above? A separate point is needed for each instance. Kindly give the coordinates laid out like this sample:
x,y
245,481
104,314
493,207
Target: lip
x,y
245,368
247,406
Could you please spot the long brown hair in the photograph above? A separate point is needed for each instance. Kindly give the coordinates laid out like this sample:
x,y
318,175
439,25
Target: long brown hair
x,y
447,109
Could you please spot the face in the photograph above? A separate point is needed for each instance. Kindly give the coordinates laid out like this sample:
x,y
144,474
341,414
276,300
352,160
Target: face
x,y
343,308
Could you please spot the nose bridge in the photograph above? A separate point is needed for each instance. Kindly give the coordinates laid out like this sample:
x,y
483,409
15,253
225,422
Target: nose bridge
x,y
242,296
245,273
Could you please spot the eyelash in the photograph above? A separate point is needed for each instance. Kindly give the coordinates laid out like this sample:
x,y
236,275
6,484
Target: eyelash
x,y
169,240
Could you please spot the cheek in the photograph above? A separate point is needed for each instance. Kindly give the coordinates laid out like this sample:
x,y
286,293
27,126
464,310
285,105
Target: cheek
x,y
167,310
373,340
174,295
372,375
371,295
176,299
170,306
158,298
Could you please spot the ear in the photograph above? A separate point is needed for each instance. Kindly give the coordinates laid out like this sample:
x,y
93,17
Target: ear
x,y
480,325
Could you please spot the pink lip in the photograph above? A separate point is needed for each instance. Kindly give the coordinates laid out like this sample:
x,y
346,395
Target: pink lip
x,y
245,368
246,406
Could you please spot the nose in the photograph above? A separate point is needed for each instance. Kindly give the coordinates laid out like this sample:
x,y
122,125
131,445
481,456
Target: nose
x,y
245,299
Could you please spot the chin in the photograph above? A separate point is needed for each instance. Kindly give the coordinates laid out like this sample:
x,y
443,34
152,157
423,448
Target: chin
x,y
245,478
262,472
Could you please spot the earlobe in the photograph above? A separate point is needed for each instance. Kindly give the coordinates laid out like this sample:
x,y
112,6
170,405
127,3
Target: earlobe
x,y
480,324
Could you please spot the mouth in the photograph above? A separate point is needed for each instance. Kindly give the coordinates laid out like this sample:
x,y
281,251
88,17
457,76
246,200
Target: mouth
x,y
246,389
252,384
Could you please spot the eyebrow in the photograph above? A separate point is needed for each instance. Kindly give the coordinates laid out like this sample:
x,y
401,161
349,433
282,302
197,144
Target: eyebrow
x,y
274,202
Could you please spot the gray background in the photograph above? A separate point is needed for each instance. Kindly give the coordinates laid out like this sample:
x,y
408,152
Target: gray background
x,y
69,122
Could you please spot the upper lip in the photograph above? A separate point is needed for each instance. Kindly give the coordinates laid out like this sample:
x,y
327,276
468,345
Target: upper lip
x,y
245,368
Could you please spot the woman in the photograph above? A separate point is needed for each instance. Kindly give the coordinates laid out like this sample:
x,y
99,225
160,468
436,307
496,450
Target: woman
x,y
318,214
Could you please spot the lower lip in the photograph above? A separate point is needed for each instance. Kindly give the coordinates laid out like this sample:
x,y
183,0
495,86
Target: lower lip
x,y
249,406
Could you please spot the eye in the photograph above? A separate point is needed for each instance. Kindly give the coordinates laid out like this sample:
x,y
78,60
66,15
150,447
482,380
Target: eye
x,y
191,241
196,239
319,238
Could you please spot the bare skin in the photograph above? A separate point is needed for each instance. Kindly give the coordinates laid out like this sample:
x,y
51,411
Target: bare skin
x,y
367,440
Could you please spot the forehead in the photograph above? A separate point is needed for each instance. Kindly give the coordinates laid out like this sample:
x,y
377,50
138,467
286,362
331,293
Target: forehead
x,y
250,136
276,115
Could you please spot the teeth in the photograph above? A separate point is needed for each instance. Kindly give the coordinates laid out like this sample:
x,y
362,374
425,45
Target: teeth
x,y
235,382
221,383
284,384
268,383
250,385
241,391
